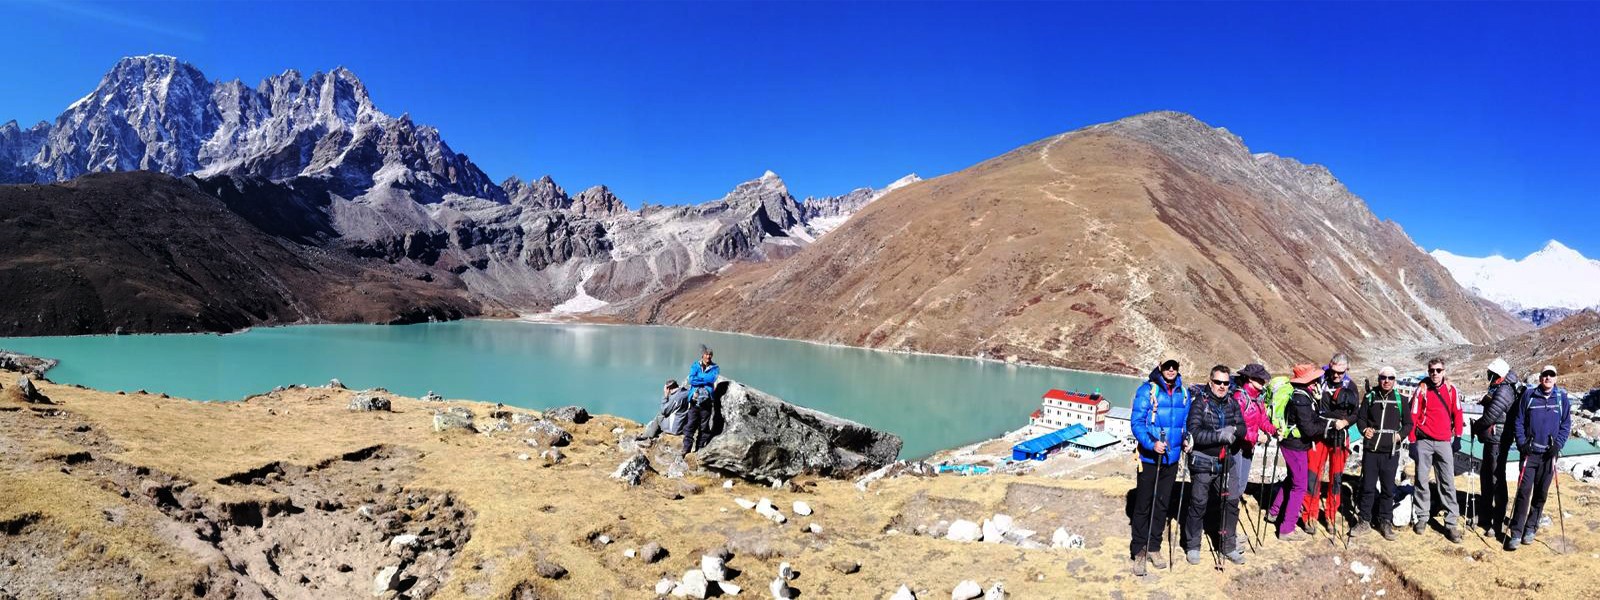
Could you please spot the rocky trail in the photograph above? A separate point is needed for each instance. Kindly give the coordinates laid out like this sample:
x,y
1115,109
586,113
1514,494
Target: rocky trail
x,y
323,492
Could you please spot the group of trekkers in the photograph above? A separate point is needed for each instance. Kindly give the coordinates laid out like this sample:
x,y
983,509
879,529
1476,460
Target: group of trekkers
x,y
688,411
1204,439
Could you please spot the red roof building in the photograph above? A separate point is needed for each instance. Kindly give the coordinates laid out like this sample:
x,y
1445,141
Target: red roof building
x,y
1062,408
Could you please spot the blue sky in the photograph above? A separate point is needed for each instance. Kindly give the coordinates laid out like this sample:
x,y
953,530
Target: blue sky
x,y
1472,125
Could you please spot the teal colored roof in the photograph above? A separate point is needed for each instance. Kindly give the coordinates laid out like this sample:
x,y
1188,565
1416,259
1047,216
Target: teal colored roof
x,y
1095,440
1051,440
1574,447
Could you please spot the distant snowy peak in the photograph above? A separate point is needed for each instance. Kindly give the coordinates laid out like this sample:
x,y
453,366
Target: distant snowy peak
x,y
826,214
1555,277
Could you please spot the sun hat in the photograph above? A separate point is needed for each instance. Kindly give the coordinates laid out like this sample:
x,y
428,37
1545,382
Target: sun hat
x,y
1306,373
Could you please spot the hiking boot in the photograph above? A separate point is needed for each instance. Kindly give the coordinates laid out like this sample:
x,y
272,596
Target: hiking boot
x,y
1419,527
1193,556
1235,557
1360,529
1512,542
1156,561
1138,564
1294,535
1307,527
1527,536
1454,534
1387,531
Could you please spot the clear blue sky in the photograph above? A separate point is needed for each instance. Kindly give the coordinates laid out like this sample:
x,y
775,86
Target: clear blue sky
x,y
1473,125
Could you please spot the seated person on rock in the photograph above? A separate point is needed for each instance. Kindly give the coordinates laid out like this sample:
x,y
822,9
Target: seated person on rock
x,y
674,410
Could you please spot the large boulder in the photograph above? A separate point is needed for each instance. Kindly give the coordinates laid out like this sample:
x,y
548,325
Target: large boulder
x,y
763,438
368,401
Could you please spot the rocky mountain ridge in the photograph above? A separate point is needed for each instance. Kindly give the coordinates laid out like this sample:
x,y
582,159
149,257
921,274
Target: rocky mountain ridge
x,y
1106,248
313,160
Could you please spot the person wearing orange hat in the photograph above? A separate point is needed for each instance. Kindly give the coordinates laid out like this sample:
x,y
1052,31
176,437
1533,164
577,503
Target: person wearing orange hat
x,y
1305,425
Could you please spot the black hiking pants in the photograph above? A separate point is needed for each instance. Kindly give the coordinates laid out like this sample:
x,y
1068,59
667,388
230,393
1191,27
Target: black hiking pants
x,y
1151,494
1202,490
1532,490
697,426
1378,486
1492,475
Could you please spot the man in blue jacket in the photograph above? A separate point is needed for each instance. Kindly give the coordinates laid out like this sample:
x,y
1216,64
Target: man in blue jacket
x,y
1542,422
1159,418
702,382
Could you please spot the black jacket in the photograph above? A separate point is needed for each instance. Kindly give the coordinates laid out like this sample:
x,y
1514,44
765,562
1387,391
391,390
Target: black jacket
x,y
1208,415
1386,415
1302,413
1497,405
1341,402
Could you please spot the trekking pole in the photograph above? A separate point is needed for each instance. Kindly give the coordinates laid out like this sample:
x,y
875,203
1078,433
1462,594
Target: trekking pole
x,y
1154,489
1561,513
1473,447
1183,471
1272,448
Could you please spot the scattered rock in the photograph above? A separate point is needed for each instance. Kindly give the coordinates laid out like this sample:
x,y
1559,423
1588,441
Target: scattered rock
x,y
495,426
964,531
652,553
552,456
802,509
576,415
744,503
727,484
766,509
403,541
995,529
846,567
30,392
432,397
996,592
714,568
550,570
693,585
966,590
630,553
665,586
387,579
547,434
524,456
334,384
786,572
603,540
904,593
451,421
632,470
728,588
814,528
897,469
781,590
1363,570
764,438
518,418
367,401
1064,540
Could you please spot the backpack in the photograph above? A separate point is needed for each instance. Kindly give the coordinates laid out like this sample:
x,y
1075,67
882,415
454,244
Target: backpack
x,y
1280,391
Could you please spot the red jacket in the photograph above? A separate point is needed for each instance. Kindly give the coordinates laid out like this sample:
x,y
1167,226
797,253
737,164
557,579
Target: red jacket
x,y
1436,413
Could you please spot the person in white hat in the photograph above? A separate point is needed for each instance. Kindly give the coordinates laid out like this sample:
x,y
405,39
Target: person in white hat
x,y
1541,423
1491,430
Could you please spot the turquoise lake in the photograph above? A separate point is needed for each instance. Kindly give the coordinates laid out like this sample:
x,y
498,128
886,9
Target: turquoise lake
x,y
932,402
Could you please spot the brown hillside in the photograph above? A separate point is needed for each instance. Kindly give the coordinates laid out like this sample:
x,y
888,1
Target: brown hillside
x,y
144,252
1104,249
1571,344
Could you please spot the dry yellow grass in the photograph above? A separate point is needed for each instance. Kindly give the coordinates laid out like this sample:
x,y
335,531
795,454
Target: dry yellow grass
x,y
525,512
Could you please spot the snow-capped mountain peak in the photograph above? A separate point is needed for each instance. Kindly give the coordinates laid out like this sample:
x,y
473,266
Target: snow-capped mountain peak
x,y
1556,276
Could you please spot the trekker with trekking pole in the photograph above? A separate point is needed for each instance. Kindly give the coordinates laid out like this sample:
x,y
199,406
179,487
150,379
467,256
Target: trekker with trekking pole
x,y
1497,439
1541,424
1214,423
1384,423
1158,419
1437,419
1301,424
1339,401
1250,395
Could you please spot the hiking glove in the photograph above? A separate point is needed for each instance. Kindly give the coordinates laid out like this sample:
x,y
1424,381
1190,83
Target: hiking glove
x,y
1226,434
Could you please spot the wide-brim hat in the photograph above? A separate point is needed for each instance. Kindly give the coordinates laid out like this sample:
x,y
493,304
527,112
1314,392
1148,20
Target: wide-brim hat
x,y
1255,371
1306,373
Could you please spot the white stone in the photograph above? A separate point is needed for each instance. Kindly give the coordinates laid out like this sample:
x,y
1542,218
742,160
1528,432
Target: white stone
x,y
727,484
781,590
1061,539
785,572
617,430
814,528
744,503
665,586
728,588
1363,570
630,553
604,540
904,593
713,568
996,592
1002,522
694,585
387,579
403,541
523,456
802,509
763,504
991,532
966,590
964,531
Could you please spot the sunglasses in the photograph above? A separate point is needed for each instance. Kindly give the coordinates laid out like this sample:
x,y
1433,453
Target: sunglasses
x,y
1385,378
1169,368
1215,382
1438,370
1547,374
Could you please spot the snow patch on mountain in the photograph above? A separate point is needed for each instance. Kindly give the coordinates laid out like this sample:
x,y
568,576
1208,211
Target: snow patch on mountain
x,y
1554,277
